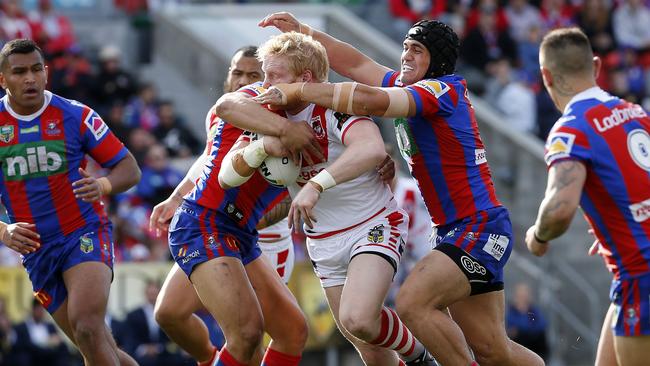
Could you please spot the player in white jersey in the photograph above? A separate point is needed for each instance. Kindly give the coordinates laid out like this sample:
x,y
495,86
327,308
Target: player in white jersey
x,y
355,230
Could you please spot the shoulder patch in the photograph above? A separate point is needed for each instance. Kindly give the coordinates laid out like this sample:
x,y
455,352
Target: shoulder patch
x,y
96,125
435,87
559,146
341,119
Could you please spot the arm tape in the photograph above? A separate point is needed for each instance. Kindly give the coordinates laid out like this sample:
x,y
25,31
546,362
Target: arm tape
x,y
324,179
398,102
227,173
254,153
343,97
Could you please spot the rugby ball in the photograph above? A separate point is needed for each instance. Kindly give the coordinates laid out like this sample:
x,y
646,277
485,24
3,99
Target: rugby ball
x,y
280,172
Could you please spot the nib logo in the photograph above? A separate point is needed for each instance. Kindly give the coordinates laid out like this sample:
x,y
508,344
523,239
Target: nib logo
x,y
32,160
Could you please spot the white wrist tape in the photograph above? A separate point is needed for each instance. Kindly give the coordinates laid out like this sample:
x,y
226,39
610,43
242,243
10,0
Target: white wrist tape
x,y
305,29
227,173
324,179
398,102
254,153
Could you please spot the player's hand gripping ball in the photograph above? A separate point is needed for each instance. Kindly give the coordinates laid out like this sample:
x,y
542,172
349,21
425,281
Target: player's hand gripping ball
x,y
280,171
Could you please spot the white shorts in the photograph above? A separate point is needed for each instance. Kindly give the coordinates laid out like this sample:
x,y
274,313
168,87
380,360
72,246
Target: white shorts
x,y
384,235
281,255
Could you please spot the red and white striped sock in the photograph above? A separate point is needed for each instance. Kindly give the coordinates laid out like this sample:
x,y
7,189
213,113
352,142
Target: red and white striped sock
x,y
396,336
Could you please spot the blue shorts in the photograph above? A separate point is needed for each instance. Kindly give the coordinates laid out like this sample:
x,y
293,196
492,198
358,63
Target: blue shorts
x,y
632,300
487,238
45,267
198,234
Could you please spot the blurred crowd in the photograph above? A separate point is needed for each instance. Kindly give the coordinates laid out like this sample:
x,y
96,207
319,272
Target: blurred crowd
x,y
500,41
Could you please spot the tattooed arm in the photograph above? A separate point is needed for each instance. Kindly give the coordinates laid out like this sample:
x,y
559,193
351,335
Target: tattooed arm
x,y
563,190
276,214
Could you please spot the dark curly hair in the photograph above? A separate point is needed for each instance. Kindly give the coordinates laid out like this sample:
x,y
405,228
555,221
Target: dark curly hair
x,y
442,43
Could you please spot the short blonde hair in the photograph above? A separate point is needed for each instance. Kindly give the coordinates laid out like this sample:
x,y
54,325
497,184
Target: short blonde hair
x,y
304,53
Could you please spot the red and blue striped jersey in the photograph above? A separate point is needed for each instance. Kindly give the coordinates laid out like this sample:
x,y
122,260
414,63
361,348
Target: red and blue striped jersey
x,y
611,137
245,204
443,149
40,155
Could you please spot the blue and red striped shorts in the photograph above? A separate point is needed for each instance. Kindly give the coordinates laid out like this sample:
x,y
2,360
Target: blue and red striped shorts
x,y
632,300
198,234
45,267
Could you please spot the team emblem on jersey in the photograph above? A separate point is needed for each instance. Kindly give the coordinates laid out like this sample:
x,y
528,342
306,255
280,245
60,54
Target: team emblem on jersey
x,y
376,234
631,314
86,244
96,126
52,128
559,146
638,145
341,118
435,87
317,126
6,133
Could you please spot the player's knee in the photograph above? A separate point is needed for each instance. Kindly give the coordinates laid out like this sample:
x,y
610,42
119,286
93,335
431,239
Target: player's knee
x,y
491,352
86,329
299,330
167,317
359,324
249,336
407,308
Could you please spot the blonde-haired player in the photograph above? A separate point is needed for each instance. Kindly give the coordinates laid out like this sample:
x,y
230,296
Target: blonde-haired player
x,y
355,230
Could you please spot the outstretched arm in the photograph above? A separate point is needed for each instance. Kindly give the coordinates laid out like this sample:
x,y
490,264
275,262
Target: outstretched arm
x,y
343,57
562,197
350,98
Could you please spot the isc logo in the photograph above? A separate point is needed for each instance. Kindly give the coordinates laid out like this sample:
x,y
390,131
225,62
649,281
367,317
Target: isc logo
x,y
33,160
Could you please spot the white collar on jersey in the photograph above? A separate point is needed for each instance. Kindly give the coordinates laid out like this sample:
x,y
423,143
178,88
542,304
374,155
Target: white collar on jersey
x,y
20,117
594,92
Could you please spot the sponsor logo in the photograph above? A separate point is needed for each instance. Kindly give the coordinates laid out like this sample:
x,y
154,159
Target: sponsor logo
x,y
190,256
376,234
97,126
52,128
182,251
496,245
43,297
232,243
435,87
472,266
559,146
638,145
479,156
33,129
86,244
6,133
618,117
640,211
30,160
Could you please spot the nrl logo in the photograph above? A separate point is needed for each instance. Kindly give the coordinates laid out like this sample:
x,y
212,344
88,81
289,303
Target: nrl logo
x,y
376,234
86,244
6,133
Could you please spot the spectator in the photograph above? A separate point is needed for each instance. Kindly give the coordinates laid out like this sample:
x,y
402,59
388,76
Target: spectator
x,y
37,341
145,341
117,329
13,23
172,132
525,323
142,111
556,14
71,75
116,122
528,50
486,44
630,24
512,98
596,21
53,31
486,6
408,12
112,83
547,114
158,177
139,142
521,18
